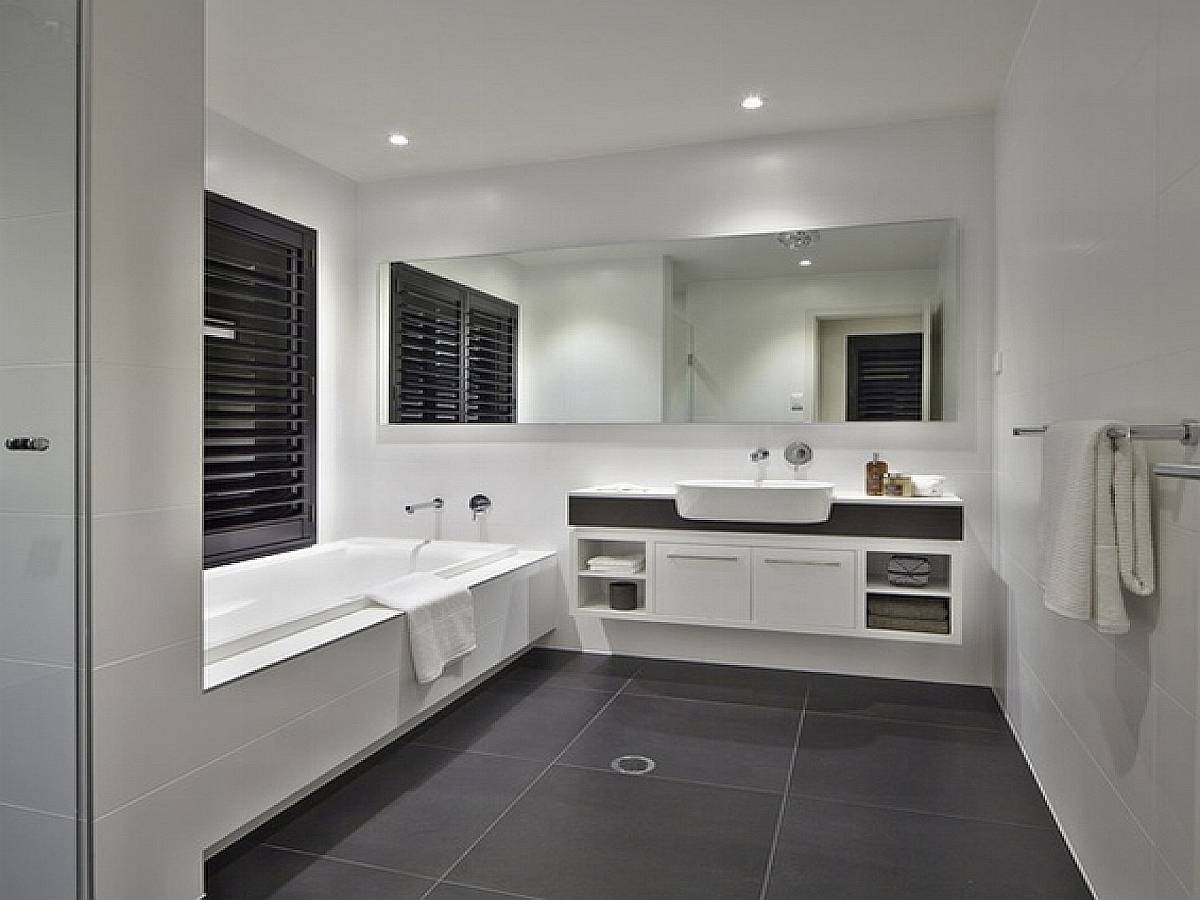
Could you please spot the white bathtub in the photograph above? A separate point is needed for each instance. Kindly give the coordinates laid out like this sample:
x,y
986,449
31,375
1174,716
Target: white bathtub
x,y
319,592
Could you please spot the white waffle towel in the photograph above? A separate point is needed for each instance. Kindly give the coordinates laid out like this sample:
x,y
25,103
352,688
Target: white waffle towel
x,y
1095,528
441,620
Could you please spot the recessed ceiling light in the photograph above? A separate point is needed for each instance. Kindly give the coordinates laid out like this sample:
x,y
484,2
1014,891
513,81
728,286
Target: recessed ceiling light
x,y
396,139
753,101
806,262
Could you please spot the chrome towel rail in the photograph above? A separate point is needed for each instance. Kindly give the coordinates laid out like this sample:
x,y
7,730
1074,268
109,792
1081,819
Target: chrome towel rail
x,y
1186,432
1178,470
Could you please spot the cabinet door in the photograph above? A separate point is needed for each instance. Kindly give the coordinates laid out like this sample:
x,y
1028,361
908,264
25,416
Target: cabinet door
x,y
702,581
798,588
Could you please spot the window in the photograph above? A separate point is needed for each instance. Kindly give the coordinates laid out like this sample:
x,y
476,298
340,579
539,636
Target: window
x,y
452,352
260,341
884,377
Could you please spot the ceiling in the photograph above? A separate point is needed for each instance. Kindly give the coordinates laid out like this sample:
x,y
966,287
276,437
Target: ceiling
x,y
865,248
478,83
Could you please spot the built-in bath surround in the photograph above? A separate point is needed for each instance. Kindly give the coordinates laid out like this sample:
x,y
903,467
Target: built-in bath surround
x,y
261,612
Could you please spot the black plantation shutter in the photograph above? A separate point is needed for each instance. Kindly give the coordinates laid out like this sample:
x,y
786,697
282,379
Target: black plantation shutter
x,y
884,377
260,343
491,359
453,352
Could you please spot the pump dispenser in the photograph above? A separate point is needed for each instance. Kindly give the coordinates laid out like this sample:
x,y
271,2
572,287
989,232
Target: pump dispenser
x,y
877,470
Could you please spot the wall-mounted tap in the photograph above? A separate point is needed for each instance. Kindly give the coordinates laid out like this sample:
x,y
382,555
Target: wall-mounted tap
x,y
436,504
480,505
759,457
798,454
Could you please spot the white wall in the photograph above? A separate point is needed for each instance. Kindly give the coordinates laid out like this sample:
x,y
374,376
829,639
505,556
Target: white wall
x,y
590,334
1098,187
592,341
244,166
929,170
754,341
177,769
37,497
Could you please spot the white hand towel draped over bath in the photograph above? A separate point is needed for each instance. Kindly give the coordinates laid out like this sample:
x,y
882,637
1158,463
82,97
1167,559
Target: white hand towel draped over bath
x,y
1096,534
441,620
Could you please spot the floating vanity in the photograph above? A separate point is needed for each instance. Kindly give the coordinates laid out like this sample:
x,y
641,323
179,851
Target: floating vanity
x,y
815,577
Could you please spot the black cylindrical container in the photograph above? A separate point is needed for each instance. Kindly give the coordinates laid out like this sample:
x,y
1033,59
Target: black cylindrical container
x,y
622,595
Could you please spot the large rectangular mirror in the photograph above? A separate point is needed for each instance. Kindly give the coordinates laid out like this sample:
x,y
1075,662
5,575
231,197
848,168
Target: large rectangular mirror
x,y
829,325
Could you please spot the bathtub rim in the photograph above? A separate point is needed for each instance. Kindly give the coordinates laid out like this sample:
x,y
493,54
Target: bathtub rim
x,y
219,673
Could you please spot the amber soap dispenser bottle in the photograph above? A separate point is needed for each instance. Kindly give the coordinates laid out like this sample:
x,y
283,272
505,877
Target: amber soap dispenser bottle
x,y
877,470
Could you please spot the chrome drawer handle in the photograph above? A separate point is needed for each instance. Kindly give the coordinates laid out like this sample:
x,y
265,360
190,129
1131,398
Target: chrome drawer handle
x,y
708,558
803,562
29,444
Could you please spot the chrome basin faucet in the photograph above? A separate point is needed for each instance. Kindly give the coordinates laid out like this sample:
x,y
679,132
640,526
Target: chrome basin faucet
x,y
759,457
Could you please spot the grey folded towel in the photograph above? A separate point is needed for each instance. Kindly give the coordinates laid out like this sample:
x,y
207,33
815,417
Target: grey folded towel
x,y
891,623
908,609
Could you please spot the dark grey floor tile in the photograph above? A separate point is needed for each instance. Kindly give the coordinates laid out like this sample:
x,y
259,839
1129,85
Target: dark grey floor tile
x,y
267,874
832,851
910,701
929,768
584,671
728,684
416,809
718,743
584,835
514,719
461,892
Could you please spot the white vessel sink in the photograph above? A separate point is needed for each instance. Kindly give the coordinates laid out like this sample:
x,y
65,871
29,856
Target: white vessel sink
x,y
794,502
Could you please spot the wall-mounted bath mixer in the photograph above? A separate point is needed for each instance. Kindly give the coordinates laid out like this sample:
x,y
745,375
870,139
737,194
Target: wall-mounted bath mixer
x,y
480,505
436,504
797,454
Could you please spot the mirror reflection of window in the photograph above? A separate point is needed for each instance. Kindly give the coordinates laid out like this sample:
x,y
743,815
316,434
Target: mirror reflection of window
x,y
760,328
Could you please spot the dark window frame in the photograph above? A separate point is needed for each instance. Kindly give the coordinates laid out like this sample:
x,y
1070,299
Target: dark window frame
x,y
285,413
452,390
904,346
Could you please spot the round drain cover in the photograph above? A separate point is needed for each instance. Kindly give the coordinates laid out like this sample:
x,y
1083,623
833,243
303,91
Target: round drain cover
x,y
632,765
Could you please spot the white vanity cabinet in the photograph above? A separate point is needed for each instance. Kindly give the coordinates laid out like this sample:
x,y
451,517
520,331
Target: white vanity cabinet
x,y
703,581
835,585
795,588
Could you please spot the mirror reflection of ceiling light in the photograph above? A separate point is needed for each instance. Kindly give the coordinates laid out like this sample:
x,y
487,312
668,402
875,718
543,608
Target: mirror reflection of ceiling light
x,y
806,262
396,139
753,101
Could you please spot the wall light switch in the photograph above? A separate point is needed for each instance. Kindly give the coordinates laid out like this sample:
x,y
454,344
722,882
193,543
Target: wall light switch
x,y
797,402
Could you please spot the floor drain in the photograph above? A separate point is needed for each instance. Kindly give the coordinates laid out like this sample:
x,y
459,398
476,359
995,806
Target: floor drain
x,y
632,765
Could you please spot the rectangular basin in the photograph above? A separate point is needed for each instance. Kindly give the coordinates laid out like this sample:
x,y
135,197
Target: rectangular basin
x,y
791,502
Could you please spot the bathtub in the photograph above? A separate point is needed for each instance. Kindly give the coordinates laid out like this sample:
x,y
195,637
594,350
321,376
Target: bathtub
x,y
259,612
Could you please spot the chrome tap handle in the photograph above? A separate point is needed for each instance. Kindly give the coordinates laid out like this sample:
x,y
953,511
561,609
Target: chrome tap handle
x,y
480,505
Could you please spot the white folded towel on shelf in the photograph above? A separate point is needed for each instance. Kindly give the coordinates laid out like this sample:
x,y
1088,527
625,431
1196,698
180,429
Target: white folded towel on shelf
x,y
1095,528
441,620
623,564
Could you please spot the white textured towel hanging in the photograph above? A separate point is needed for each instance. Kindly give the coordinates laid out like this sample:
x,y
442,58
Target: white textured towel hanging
x,y
1096,524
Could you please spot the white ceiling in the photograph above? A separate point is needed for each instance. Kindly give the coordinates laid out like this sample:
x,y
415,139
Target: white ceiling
x,y
865,248
477,83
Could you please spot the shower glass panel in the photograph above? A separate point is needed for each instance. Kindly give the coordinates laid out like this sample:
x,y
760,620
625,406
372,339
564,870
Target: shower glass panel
x,y
39,515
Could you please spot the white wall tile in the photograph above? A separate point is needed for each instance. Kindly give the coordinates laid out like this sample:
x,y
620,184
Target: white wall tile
x,y
154,724
37,737
37,593
39,853
39,401
37,293
146,581
1174,824
146,275
37,119
146,438
1098,127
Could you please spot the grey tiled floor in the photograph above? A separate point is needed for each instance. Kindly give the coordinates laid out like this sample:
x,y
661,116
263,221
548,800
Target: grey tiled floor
x,y
767,786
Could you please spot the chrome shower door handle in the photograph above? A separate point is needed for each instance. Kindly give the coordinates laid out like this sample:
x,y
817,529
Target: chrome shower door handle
x,y
27,444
